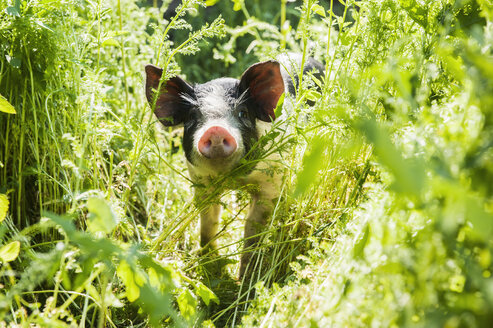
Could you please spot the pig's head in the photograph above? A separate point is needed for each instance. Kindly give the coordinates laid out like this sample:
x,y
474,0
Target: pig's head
x,y
220,116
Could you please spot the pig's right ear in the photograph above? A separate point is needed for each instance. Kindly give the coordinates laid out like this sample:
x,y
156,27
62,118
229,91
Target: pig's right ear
x,y
171,109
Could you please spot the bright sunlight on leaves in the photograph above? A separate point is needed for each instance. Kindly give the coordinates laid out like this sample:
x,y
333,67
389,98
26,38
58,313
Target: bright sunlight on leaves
x,y
9,252
101,217
5,106
4,206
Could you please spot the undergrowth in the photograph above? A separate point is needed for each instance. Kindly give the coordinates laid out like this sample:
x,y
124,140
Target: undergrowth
x,y
385,214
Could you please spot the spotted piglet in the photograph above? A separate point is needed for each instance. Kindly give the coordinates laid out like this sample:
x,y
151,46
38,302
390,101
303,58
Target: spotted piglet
x,y
222,120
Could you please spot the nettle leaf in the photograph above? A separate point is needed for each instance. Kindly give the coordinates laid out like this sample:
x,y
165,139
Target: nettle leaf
x,y
5,106
9,252
4,206
206,294
187,303
101,217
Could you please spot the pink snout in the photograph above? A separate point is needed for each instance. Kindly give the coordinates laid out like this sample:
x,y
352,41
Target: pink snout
x,y
217,142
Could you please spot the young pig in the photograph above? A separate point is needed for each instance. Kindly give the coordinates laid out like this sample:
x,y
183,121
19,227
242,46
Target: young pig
x,y
222,120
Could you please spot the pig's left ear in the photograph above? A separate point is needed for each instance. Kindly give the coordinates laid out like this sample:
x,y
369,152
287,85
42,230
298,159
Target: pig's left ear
x,y
264,84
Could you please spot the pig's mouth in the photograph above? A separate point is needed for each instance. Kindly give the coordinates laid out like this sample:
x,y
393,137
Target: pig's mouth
x,y
220,158
214,166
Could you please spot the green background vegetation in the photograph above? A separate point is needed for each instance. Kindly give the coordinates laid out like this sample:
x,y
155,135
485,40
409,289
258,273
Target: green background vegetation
x,y
386,214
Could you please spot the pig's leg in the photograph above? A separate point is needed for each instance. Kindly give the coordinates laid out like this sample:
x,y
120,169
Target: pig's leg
x,y
209,223
260,210
207,201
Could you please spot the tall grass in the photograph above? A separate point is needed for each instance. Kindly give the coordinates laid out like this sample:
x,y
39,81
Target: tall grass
x,y
82,143
411,81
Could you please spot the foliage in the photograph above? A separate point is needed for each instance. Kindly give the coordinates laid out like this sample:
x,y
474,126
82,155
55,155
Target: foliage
x,y
417,252
385,217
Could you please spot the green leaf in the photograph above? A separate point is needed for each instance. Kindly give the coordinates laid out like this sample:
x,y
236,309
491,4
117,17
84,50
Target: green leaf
x,y
486,8
110,43
93,292
470,15
419,13
43,25
280,102
101,217
457,282
312,163
126,274
317,81
187,303
205,293
319,10
154,280
15,9
451,62
9,252
156,305
209,3
237,4
5,106
313,95
64,222
4,206
409,175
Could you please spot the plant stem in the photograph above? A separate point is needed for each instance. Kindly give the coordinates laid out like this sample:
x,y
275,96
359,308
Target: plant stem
x,y
283,22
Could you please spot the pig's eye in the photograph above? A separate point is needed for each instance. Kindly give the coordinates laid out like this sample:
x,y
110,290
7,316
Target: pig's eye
x,y
243,113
